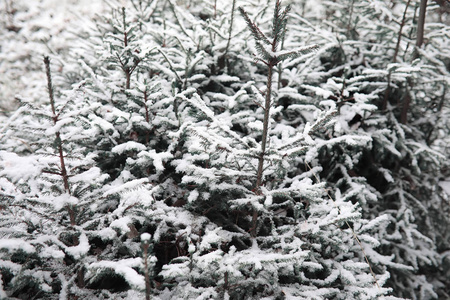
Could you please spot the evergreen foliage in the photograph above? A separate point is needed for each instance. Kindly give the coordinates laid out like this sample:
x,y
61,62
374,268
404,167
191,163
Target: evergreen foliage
x,y
225,150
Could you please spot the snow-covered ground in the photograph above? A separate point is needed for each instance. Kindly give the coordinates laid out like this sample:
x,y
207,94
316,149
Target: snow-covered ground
x,y
29,30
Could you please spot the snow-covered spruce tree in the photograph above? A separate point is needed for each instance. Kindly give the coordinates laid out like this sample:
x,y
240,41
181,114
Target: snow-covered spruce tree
x,y
131,108
45,201
400,169
272,231
109,250
108,135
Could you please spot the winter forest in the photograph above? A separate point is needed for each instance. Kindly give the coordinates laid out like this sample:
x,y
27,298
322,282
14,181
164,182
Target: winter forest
x,y
224,149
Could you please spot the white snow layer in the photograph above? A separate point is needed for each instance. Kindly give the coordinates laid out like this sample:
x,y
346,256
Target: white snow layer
x,y
13,245
124,268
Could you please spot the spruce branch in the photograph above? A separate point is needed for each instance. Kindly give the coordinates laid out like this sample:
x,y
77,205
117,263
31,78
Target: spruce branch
x,y
266,54
180,23
170,66
279,23
283,55
256,32
355,236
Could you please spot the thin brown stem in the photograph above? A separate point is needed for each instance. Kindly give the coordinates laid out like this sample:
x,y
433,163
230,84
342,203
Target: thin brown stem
x,y
271,62
420,27
125,68
280,69
50,86
225,284
146,273
394,58
80,277
439,112
349,24
55,118
231,27
406,104
399,37
147,117
125,34
265,133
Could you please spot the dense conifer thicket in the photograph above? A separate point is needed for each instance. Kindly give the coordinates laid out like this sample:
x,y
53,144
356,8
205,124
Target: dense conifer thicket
x,y
240,149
